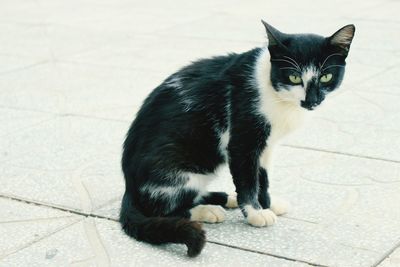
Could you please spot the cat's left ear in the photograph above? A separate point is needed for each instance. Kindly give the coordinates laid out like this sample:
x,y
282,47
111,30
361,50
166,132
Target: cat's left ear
x,y
342,38
275,41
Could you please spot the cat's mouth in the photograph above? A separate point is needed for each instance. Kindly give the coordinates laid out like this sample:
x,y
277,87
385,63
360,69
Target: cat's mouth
x,y
309,105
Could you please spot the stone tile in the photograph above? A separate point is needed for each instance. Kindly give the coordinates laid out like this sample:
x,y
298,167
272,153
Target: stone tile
x,y
241,21
383,39
20,41
101,59
22,225
382,12
78,89
296,11
14,121
121,19
144,53
10,63
69,161
300,240
102,243
355,121
331,196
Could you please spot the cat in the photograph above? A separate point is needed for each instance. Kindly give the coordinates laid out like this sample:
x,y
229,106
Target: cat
x,y
230,109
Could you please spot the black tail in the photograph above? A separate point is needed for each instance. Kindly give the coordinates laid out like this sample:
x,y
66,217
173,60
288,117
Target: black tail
x,y
161,230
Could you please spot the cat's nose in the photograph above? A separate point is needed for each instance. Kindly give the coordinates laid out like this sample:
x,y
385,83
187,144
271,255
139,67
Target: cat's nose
x,y
309,105
313,98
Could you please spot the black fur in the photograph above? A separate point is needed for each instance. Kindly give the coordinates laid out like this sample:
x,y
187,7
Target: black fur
x,y
178,129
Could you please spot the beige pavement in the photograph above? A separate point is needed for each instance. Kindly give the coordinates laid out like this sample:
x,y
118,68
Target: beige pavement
x,y
73,74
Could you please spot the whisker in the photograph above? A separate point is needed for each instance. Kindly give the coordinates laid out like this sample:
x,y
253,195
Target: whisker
x,y
331,66
284,60
289,68
328,57
294,61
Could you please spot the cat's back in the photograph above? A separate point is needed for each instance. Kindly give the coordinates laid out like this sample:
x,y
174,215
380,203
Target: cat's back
x,y
189,103
201,86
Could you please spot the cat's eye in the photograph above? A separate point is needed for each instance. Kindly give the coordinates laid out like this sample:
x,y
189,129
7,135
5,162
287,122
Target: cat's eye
x,y
295,79
326,78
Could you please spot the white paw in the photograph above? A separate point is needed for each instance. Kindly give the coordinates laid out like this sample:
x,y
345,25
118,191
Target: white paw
x,y
279,206
260,218
207,213
231,203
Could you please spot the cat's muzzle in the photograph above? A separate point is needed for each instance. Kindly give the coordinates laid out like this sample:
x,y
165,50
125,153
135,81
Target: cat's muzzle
x,y
310,105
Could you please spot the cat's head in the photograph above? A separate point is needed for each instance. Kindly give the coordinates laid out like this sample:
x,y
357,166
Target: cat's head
x,y
305,68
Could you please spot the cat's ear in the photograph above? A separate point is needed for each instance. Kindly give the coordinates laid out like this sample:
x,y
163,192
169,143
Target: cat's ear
x,y
342,38
274,36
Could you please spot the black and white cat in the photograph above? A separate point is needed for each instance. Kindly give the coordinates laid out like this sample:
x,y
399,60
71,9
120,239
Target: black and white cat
x,y
229,109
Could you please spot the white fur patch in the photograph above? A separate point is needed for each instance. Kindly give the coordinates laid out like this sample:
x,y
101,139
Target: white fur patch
x,y
309,73
195,181
207,213
284,115
223,143
160,191
198,182
260,218
294,93
232,203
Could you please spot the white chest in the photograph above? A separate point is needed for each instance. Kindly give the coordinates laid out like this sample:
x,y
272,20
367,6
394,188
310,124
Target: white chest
x,y
283,122
284,119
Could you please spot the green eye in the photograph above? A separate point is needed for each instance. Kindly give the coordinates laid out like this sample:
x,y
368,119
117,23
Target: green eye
x,y
326,78
295,79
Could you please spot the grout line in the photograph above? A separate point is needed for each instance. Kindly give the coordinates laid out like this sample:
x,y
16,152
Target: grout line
x,y
341,153
267,254
41,204
387,254
17,69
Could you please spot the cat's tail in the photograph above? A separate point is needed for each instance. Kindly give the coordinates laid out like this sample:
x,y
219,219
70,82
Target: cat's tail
x,y
161,230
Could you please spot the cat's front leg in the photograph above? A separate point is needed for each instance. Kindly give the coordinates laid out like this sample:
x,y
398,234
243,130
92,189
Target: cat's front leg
x,y
263,195
277,205
245,173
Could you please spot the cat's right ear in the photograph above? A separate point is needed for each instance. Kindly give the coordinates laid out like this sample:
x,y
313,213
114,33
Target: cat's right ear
x,y
274,36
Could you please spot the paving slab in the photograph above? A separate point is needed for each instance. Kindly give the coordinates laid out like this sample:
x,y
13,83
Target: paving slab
x,y
335,200
73,76
96,242
132,53
356,122
78,89
64,162
22,225
14,121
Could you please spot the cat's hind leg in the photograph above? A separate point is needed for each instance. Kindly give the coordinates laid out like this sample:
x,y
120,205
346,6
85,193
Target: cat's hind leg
x,y
209,208
200,210
207,213
220,198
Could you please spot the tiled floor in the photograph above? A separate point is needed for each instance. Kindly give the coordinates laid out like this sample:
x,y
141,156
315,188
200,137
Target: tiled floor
x,y
73,74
